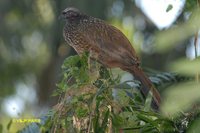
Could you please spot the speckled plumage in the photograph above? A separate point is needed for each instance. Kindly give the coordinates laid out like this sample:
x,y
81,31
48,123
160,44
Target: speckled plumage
x,y
105,43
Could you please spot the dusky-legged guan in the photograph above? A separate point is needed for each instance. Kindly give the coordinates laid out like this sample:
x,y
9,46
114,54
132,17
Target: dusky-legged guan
x,y
106,44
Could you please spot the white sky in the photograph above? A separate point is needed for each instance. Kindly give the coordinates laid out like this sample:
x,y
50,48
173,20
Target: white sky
x,y
155,10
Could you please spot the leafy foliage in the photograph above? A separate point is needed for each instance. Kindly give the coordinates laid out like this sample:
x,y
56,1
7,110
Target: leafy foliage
x,y
104,104
190,4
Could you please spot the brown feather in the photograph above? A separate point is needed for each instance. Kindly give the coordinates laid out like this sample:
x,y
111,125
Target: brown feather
x,y
106,44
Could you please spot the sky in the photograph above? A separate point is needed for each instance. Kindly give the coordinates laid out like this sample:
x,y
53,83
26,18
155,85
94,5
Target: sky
x,y
156,11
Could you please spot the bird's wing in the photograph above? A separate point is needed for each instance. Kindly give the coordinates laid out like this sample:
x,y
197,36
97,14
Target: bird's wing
x,y
111,42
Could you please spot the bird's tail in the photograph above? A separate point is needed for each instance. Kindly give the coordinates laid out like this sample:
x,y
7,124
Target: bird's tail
x,y
146,86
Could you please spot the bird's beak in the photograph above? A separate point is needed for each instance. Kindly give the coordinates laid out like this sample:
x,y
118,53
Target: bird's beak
x,y
61,17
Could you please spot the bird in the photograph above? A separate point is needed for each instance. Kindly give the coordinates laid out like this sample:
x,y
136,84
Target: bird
x,y
107,45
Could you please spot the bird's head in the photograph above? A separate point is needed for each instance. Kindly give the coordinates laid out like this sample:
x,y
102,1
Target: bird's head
x,y
70,14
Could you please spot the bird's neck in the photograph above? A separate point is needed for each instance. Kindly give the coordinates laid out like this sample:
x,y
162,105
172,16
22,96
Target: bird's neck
x,y
76,21
72,22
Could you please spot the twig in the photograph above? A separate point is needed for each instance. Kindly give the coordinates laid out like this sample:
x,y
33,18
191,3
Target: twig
x,y
196,44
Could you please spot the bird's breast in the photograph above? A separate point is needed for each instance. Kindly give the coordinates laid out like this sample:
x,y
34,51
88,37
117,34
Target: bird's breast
x,y
77,40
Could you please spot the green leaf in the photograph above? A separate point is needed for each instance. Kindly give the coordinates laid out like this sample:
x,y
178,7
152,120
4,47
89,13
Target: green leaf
x,y
104,122
148,129
190,5
194,127
185,66
1,128
179,98
9,124
166,125
96,118
147,105
70,61
169,7
124,85
121,97
117,120
146,119
81,111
